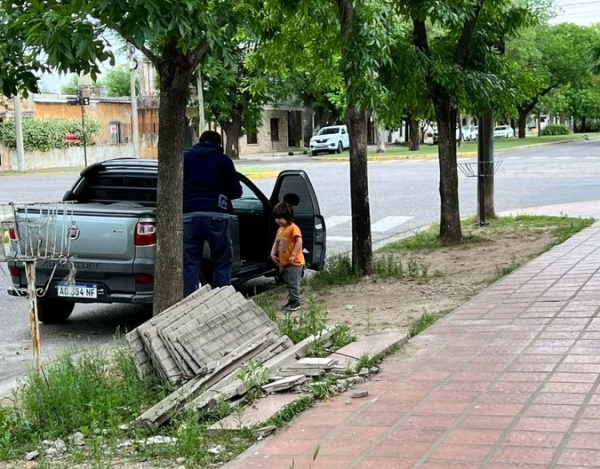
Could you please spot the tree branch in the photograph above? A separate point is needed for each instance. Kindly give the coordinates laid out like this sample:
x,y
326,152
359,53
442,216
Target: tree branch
x,y
152,57
466,35
528,107
420,37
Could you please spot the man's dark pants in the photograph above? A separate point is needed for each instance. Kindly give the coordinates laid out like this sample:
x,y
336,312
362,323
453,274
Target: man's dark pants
x,y
216,231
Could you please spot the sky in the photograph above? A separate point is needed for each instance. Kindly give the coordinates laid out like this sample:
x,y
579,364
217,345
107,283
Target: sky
x,y
582,12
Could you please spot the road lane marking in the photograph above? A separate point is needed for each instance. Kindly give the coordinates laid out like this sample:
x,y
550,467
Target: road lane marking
x,y
388,223
330,222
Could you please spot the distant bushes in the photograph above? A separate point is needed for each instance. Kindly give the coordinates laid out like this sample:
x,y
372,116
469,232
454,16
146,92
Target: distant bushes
x,y
555,130
46,134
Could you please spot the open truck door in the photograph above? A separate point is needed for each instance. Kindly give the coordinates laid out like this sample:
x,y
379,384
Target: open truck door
x,y
295,188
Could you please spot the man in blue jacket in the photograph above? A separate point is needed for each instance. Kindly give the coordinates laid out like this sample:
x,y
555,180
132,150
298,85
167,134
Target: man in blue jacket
x,y
210,182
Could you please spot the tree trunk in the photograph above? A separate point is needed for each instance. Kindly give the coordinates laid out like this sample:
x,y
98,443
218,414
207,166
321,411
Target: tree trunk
x,y
413,134
176,75
381,136
356,120
362,251
233,132
307,126
450,228
523,113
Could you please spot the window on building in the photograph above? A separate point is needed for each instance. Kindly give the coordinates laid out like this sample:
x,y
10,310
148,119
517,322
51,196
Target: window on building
x,y
274,129
251,138
115,133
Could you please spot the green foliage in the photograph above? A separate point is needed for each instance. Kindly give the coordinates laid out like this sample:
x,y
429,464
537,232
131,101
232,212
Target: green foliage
x,y
337,271
91,392
253,375
324,388
425,320
391,266
117,82
555,130
312,319
342,337
366,361
46,134
547,58
72,86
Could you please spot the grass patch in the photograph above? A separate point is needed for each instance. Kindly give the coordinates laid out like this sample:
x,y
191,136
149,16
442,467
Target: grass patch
x,y
337,271
89,393
465,148
425,320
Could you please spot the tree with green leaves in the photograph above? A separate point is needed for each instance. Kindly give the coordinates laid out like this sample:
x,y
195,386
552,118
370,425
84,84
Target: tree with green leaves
x,y
174,37
20,65
117,82
229,95
343,50
71,86
546,58
459,46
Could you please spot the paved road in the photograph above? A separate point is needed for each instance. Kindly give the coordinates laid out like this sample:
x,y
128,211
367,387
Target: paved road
x,y
403,193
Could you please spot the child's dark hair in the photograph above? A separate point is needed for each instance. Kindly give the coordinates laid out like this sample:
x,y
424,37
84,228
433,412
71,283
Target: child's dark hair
x,y
285,211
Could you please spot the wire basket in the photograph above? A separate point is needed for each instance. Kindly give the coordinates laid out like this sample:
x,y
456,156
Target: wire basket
x,y
35,231
479,168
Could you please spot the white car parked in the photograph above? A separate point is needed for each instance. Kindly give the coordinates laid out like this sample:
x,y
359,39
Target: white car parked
x,y
503,131
330,139
469,133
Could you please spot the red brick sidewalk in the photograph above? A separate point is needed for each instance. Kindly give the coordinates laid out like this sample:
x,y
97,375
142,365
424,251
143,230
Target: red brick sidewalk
x,y
508,380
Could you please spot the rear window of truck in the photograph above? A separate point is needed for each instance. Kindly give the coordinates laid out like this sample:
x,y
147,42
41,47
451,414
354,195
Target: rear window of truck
x,y
110,188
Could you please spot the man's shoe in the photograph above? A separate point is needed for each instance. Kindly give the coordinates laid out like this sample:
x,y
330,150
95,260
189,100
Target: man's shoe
x,y
292,306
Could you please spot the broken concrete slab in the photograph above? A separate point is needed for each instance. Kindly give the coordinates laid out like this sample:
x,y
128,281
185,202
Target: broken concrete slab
x,y
371,345
257,413
284,383
161,412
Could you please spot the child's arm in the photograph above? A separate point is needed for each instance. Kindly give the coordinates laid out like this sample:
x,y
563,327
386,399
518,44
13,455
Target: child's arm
x,y
296,249
274,257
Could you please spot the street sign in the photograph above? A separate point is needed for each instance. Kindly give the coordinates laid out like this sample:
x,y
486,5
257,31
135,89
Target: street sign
x,y
78,101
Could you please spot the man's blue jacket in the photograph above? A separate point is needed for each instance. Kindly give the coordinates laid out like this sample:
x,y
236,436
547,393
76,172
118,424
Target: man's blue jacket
x,y
210,180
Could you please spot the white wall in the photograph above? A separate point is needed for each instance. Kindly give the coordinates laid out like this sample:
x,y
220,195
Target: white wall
x,y
63,157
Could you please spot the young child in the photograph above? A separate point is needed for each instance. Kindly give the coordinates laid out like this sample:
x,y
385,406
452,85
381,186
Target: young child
x,y
287,253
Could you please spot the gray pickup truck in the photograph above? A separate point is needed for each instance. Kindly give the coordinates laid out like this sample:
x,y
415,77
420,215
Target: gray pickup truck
x,y
113,237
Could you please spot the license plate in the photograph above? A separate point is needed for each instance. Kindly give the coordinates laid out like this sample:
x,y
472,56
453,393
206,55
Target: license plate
x,y
78,290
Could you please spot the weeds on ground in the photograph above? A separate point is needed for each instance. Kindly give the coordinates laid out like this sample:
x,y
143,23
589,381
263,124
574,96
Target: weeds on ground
x,y
337,271
253,375
311,319
425,320
366,361
76,393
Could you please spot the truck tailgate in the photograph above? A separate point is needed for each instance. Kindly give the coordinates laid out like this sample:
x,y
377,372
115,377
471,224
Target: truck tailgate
x,y
94,231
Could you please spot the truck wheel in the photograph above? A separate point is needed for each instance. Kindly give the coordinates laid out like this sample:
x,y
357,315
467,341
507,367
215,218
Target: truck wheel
x,y
54,310
339,148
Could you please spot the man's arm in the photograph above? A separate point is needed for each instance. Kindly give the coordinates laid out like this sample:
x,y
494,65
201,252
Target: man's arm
x,y
235,189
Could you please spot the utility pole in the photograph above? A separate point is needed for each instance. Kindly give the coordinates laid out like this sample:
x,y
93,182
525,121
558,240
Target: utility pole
x,y
485,167
19,132
82,99
201,120
135,131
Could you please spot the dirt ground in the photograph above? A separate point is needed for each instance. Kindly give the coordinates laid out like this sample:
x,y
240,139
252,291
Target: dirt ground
x,y
454,275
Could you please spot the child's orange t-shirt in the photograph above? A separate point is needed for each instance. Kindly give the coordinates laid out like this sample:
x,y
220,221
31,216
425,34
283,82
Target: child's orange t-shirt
x,y
286,238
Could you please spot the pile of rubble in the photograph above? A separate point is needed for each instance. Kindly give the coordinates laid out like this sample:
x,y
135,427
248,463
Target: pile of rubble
x,y
202,343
